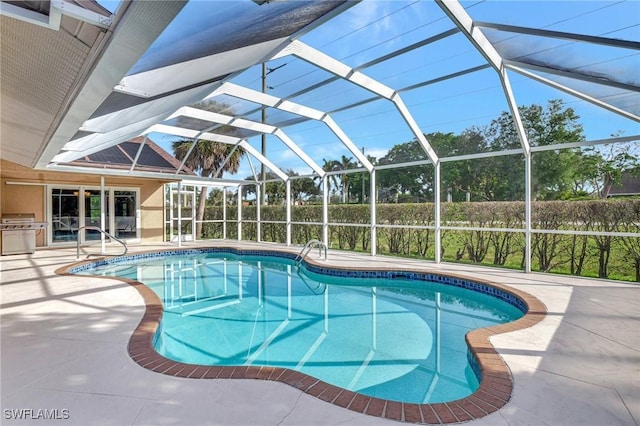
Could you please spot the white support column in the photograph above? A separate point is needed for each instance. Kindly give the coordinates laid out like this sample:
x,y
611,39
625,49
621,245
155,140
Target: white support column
x,y
373,200
171,205
325,210
224,213
436,212
258,225
527,213
288,209
526,147
475,34
180,214
239,219
102,215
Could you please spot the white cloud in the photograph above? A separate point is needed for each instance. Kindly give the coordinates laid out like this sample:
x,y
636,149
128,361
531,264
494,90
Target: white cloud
x,y
376,152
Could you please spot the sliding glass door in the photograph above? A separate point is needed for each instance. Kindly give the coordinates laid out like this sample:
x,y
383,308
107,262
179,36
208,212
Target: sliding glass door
x,y
92,212
64,214
76,213
125,214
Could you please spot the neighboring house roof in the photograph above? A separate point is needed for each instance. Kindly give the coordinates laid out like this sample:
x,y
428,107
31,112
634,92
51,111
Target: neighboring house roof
x,y
629,185
152,158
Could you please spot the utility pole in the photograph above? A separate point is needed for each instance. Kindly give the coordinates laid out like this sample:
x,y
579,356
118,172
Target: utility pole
x,y
263,170
363,176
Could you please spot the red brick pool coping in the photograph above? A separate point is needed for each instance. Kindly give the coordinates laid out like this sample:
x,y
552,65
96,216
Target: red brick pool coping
x,y
496,384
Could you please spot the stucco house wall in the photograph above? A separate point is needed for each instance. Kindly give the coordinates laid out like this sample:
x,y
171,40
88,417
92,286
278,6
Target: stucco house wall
x,y
23,190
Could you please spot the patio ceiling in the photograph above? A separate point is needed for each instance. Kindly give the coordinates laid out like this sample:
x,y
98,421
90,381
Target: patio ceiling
x,y
151,69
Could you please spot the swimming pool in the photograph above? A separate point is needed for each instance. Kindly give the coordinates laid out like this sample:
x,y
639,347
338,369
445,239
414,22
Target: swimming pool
x,y
390,335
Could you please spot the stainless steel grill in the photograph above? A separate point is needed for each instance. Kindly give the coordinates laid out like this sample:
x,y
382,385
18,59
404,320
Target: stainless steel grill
x,y
19,233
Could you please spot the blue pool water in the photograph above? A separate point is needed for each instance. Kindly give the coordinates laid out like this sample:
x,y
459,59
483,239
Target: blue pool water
x,y
397,339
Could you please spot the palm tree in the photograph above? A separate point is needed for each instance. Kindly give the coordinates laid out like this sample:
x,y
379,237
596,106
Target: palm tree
x,y
207,158
345,163
331,166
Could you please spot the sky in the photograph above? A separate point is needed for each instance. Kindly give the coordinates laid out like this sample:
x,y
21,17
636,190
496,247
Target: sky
x,y
371,29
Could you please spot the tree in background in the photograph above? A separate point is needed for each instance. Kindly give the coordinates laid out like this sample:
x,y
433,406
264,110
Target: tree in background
x,y
340,181
407,180
604,166
208,157
301,189
359,185
495,178
552,170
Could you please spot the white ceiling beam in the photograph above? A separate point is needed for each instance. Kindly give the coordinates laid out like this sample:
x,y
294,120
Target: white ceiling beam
x,y
294,108
319,59
539,32
156,107
84,143
454,10
169,177
214,137
215,117
172,130
80,13
337,130
184,74
573,92
326,62
121,47
264,160
242,123
415,129
30,16
229,140
95,143
299,152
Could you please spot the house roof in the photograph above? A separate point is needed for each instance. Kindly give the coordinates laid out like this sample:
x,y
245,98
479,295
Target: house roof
x,y
629,185
143,152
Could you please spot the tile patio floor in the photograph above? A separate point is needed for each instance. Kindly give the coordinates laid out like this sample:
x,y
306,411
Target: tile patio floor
x,y
64,347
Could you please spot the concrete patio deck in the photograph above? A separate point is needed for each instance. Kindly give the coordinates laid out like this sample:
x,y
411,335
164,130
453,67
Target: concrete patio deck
x,y
64,348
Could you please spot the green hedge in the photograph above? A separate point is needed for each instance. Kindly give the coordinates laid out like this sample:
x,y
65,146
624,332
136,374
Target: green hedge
x,y
583,255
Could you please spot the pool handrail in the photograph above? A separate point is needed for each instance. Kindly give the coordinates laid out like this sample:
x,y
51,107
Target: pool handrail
x,y
308,246
95,228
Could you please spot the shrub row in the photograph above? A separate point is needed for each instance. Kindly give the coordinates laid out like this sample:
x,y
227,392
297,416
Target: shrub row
x,y
592,255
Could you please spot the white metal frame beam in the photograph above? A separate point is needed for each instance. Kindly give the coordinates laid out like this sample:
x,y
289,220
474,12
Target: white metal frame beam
x,y
539,32
158,81
98,141
118,51
321,60
327,63
294,108
214,137
461,18
56,10
454,10
153,175
242,123
518,67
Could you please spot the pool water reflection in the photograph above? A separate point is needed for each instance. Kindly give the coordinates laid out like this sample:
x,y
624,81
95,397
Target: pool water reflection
x,y
398,339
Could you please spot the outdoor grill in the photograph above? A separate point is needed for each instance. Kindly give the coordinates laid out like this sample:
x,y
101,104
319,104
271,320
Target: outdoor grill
x,y
19,233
